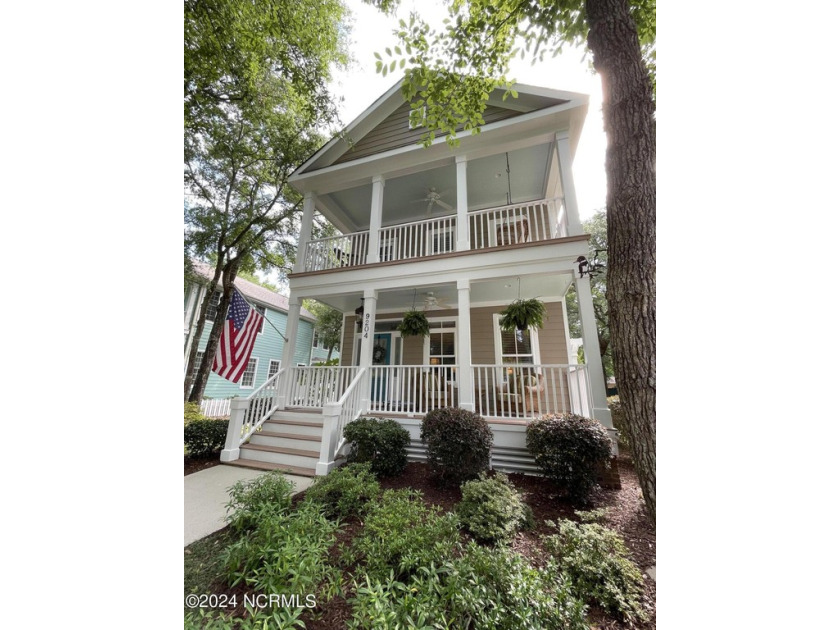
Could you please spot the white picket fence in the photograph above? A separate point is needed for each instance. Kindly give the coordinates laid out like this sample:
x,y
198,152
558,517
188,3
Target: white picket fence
x,y
216,408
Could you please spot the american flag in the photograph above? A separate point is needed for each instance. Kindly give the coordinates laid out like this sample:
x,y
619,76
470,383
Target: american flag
x,y
238,334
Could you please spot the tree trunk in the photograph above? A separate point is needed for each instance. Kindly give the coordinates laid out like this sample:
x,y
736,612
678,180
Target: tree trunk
x,y
199,328
630,125
228,276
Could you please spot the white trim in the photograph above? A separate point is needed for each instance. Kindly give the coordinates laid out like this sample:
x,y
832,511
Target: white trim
x,y
256,369
497,341
271,361
427,342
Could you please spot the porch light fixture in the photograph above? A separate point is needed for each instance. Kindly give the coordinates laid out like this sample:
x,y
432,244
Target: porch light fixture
x,y
588,268
360,310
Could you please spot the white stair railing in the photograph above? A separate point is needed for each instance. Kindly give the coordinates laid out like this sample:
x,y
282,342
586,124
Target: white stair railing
x,y
420,238
248,414
336,416
530,391
516,223
335,252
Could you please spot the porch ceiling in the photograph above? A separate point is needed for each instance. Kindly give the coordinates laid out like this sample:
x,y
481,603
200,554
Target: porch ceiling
x,y
406,196
433,298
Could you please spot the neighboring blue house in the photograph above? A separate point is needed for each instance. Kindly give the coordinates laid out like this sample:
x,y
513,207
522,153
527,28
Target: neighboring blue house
x,y
268,347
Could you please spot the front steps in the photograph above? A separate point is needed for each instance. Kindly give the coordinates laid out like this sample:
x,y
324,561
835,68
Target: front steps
x,y
290,440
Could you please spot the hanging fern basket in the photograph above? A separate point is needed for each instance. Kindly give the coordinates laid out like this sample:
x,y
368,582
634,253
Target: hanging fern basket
x,y
523,314
414,324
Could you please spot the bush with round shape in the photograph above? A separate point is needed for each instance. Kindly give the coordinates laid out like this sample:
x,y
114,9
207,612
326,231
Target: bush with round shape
x,y
570,449
381,442
192,412
205,437
491,508
458,444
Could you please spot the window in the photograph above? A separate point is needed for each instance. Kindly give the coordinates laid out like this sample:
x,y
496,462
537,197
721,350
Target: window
x,y
273,367
198,357
248,376
213,307
261,311
518,347
441,345
314,340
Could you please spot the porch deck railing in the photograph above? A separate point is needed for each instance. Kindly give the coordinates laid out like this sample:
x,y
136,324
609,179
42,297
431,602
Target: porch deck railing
x,y
530,391
412,389
494,227
315,386
516,223
416,239
335,252
248,414
216,407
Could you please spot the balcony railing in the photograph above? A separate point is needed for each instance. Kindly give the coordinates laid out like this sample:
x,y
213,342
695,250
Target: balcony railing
x,y
495,227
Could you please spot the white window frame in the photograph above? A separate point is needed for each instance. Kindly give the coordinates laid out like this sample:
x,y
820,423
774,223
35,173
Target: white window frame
x,y
256,361
497,343
271,363
427,341
216,308
262,321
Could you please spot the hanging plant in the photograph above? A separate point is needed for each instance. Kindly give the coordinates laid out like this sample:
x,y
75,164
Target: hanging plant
x,y
414,324
523,314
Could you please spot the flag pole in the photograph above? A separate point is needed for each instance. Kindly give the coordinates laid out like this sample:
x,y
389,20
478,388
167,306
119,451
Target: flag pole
x,y
242,295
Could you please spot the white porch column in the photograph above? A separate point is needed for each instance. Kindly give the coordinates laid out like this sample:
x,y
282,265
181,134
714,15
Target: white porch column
x,y
366,350
466,395
288,360
463,236
376,198
305,229
564,160
592,351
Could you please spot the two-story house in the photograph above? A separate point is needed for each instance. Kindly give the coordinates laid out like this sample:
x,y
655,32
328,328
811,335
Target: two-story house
x,y
458,233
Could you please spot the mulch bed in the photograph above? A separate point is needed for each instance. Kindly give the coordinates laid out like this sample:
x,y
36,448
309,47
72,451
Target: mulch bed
x,y
626,515
194,464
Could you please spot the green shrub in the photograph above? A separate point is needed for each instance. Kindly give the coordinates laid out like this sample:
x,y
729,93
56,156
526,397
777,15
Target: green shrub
x,y
192,412
205,437
286,556
491,508
402,533
457,442
381,442
569,449
483,588
264,498
598,564
345,491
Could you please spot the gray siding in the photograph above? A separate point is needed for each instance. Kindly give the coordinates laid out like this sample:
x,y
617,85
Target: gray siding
x,y
393,132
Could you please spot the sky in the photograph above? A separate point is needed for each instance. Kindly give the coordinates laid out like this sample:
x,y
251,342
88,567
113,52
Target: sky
x,y
360,85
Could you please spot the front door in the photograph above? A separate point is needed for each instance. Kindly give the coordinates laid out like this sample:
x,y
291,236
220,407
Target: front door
x,y
381,357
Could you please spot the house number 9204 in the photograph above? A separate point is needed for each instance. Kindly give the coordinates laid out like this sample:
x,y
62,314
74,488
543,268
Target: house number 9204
x,y
367,325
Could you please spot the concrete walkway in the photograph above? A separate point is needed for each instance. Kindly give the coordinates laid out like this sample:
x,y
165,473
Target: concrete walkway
x,y
206,494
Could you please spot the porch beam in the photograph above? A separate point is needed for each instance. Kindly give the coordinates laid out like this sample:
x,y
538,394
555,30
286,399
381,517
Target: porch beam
x,y
466,396
305,229
564,160
288,358
462,243
376,198
592,351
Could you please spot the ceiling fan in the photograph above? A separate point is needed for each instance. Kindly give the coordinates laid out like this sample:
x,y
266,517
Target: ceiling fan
x,y
433,302
432,198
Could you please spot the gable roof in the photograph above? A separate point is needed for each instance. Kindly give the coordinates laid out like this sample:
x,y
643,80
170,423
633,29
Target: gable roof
x,y
384,124
256,293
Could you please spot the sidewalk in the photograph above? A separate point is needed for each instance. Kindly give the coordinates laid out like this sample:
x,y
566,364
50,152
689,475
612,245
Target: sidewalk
x,y
206,494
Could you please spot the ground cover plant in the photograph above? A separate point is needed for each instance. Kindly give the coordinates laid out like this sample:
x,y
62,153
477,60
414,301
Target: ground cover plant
x,y
381,568
491,509
345,492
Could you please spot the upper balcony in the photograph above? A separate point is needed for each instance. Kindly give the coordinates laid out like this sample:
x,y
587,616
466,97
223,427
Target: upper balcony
x,y
489,228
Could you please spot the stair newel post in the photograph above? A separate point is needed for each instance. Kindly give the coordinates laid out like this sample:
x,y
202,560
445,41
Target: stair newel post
x,y
238,409
329,438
